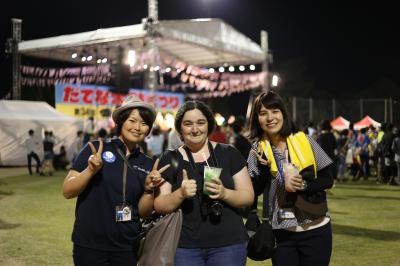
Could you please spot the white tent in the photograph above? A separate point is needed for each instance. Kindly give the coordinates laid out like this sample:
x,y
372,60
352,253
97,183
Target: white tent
x,y
340,123
366,122
199,42
18,117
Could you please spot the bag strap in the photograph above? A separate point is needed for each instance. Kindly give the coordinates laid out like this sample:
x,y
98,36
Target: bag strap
x,y
265,210
132,168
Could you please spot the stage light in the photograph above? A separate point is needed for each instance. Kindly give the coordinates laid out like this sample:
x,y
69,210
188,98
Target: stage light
x,y
74,55
98,61
131,58
144,66
83,58
211,70
168,69
252,67
221,69
104,60
89,58
156,68
219,119
241,68
275,80
231,68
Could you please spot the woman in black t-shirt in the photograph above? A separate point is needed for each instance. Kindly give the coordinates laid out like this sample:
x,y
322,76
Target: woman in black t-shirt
x,y
212,232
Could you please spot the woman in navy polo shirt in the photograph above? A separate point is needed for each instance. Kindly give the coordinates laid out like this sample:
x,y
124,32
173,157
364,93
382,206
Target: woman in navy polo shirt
x,y
114,182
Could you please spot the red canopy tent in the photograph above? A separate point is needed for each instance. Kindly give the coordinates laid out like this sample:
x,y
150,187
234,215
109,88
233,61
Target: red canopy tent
x,y
340,123
366,122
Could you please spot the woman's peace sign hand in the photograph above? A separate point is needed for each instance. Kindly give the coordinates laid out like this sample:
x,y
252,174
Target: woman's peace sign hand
x,y
260,159
95,162
154,179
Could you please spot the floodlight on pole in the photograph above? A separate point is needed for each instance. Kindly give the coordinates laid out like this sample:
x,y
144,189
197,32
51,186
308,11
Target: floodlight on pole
x,y
275,80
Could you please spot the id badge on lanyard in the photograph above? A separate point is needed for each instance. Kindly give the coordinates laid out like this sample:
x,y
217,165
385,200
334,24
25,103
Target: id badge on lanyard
x,y
283,213
123,212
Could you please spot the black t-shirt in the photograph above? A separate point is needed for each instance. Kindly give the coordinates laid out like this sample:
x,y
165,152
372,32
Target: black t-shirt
x,y
95,226
200,230
242,144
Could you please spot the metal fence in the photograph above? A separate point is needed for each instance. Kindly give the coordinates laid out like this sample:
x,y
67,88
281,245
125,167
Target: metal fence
x,y
304,110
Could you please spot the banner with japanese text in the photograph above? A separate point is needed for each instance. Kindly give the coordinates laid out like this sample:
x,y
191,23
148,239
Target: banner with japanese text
x,y
83,100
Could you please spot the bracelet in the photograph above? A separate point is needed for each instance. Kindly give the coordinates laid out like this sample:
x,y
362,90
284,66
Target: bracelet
x,y
303,185
148,191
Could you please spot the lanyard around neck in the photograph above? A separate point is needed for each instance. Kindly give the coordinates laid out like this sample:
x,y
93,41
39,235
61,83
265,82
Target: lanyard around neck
x,y
211,151
278,162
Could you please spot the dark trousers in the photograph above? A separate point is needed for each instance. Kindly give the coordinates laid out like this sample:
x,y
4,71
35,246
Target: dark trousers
x,y
36,157
307,248
86,256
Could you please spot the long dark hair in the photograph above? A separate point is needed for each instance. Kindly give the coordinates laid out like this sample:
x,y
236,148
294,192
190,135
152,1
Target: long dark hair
x,y
270,100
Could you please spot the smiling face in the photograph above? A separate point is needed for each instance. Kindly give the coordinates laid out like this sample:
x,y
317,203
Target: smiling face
x,y
134,129
270,120
194,128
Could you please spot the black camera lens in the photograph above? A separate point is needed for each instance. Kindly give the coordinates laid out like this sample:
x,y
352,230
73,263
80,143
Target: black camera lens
x,y
215,208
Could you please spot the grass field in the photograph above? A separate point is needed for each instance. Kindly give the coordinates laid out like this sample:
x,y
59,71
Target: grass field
x,y
36,223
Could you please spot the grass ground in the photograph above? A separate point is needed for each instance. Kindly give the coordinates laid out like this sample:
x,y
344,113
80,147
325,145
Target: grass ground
x,y
36,222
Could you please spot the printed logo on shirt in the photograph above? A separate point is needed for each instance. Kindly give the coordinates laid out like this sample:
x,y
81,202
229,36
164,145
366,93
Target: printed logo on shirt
x,y
108,156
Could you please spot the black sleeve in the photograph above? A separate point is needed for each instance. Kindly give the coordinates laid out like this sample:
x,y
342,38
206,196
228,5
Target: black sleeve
x,y
81,161
170,157
237,161
260,174
324,180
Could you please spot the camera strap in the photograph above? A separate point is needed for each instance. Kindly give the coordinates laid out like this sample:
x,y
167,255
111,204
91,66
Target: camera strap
x,y
201,199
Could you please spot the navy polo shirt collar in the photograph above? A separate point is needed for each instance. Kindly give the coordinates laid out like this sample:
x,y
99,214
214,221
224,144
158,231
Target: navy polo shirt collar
x,y
135,153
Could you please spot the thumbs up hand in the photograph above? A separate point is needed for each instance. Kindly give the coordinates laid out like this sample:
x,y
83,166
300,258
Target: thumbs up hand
x,y
188,186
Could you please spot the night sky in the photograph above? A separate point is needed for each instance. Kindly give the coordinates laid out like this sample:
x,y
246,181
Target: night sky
x,y
343,46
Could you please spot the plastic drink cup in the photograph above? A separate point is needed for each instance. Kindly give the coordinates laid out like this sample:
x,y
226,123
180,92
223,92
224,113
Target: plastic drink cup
x,y
209,174
289,170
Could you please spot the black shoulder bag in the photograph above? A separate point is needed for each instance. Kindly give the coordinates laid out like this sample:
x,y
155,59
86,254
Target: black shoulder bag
x,y
262,243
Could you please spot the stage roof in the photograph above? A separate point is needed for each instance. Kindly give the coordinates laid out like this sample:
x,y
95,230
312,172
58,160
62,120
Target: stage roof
x,y
200,42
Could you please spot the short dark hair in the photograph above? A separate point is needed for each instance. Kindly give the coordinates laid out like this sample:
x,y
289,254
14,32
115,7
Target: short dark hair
x,y
144,113
31,132
238,125
269,100
326,125
191,105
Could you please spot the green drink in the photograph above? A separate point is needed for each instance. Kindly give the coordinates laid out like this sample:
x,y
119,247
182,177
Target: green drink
x,y
210,173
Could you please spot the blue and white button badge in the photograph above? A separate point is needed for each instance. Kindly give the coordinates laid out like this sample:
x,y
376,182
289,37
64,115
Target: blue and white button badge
x,y
108,156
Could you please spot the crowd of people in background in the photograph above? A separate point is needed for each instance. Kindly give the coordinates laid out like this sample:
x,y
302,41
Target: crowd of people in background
x,y
51,161
365,153
357,154
172,161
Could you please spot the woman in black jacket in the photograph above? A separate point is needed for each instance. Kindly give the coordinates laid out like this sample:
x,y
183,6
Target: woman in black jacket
x,y
297,200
